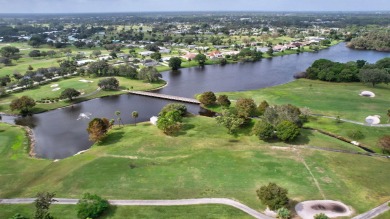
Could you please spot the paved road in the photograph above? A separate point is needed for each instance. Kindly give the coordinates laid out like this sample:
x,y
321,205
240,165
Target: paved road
x,y
223,201
353,122
374,212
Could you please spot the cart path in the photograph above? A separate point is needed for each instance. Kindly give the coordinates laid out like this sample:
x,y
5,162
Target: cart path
x,y
200,201
374,212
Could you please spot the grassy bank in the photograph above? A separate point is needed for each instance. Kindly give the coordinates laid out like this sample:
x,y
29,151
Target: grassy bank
x,y
88,90
139,162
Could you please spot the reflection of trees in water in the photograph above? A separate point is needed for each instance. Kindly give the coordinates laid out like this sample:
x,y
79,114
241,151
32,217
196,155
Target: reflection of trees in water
x,y
30,121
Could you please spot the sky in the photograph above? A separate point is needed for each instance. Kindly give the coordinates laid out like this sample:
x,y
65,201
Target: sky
x,y
77,6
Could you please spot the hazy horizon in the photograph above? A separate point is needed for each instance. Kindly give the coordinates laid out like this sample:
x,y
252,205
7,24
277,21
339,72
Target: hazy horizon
x,y
128,6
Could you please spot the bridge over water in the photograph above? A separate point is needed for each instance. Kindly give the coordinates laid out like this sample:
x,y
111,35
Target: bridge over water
x,y
164,96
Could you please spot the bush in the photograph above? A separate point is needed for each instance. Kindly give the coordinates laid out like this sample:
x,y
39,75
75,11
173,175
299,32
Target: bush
x,y
355,134
273,196
287,131
91,206
223,100
321,216
263,130
246,108
207,98
284,213
384,142
174,106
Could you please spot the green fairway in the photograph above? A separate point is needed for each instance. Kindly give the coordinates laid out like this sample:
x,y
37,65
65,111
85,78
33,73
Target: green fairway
x,y
140,162
120,212
332,99
88,89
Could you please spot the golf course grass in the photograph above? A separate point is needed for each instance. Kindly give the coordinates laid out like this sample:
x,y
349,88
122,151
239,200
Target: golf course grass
x,y
331,99
140,162
88,90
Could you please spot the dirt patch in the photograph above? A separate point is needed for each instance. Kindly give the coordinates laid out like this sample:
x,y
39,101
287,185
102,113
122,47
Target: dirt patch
x,y
308,209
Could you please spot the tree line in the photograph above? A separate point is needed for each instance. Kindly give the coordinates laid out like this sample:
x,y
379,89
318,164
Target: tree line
x,y
358,71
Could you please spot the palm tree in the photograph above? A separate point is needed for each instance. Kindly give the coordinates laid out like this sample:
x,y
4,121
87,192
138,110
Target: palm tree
x,y
118,114
134,114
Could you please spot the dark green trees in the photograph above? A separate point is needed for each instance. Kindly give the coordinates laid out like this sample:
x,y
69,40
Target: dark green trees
x,y
69,93
175,63
273,196
23,104
91,206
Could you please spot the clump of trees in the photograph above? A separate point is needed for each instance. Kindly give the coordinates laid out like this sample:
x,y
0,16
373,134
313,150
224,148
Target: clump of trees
x,y
174,63
375,40
326,70
91,206
201,59
23,104
207,98
109,84
230,120
170,118
149,74
98,128
69,93
283,122
274,196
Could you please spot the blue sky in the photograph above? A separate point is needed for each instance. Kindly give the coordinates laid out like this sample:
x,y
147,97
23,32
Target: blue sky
x,y
65,6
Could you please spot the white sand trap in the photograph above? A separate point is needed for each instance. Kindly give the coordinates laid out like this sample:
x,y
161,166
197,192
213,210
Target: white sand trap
x,y
85,81
367,94
54,85
373,120
307,209
56,89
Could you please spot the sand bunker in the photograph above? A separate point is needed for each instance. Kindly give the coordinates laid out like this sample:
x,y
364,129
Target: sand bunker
x,y
367,94
56,89
373,120
54,85
307,209
85,81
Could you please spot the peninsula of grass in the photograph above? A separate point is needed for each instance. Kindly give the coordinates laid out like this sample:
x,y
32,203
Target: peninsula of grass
x,y
202,160
87,86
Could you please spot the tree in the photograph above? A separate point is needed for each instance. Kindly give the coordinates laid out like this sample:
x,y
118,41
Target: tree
x,y
91,206
270,52
207,98
36,40
276,114
273,196
174,63
201,59
262,107
321,216
149,74
134,114
170,122
156,56
224,101
230,120
96,53
246,108
263,130
284,213
119,119
69,93
287,131
98,128
100,68
384,142
42,205
34,53
113,55
9,52
174,106
23,104
109,84
374,76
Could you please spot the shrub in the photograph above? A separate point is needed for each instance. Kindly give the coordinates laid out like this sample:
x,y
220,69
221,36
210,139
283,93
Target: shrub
x,y
284,213
384,142
287,131
321,216
91,206
263,130
174,106
207,98
223,100
246,108
273,196
262,107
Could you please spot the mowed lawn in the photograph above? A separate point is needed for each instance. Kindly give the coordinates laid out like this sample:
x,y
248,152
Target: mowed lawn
x,y
140,162
331,99
88,90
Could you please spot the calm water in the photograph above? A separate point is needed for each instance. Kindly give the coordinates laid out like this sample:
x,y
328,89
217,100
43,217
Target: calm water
x,y
61,133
